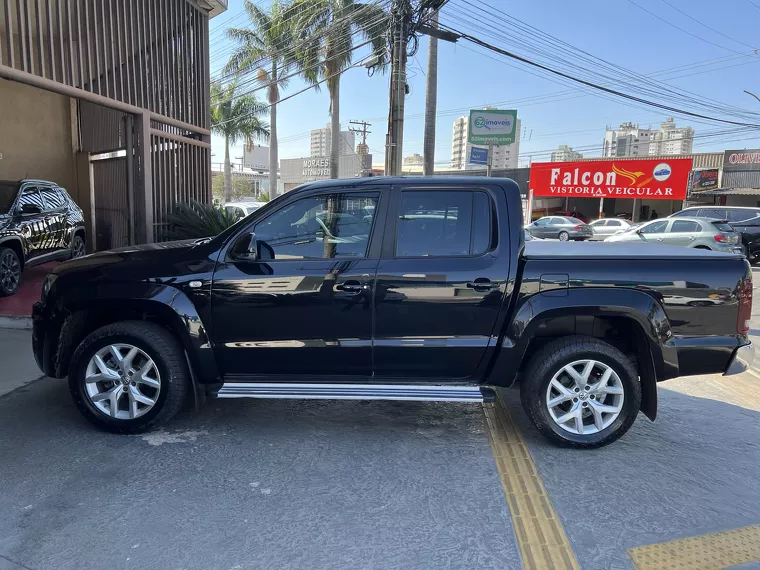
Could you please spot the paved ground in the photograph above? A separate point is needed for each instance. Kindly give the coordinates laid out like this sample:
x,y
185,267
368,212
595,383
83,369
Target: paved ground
x,y
287,484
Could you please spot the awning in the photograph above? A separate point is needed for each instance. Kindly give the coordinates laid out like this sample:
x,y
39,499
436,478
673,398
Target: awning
x,y
727,192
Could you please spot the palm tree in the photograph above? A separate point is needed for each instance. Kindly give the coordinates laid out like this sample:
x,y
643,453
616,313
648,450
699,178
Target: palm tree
x,y
235,118
324,31
269,42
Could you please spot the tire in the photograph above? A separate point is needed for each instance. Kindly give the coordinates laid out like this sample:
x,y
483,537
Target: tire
x,y
563,236
170,371
550,361
10,272
77,246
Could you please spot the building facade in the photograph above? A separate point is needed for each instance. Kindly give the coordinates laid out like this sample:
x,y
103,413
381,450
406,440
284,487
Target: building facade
x,y
110,100
297,171
321,142
504,157
565,153
631,140
414,160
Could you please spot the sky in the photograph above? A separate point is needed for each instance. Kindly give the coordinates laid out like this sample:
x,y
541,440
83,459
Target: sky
x,y
638,35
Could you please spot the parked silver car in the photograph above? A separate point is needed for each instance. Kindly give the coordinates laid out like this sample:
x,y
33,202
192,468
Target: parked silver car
x,y
559,227
606,227
699,233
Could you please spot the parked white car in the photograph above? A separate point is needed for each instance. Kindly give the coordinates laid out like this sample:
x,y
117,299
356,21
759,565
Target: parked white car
x,y
242,209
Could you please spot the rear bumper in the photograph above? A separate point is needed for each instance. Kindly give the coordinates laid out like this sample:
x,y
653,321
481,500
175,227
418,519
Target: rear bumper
x,y
741,361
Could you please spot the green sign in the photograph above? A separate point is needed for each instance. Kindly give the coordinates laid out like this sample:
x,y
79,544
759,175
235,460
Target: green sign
x,y
492,126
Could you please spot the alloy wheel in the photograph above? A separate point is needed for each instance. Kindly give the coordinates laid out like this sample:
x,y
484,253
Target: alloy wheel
x,y
122,381
564,236
77,248
585,397
10,271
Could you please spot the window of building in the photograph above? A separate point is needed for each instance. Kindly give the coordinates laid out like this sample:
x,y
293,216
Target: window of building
x,y
444,224
328,226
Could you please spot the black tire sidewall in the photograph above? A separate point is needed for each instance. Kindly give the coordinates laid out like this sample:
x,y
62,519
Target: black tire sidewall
x,y
3,291
85,405
631,400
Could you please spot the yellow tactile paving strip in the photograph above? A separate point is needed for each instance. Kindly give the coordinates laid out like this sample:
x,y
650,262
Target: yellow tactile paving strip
x,y
540,536
707,552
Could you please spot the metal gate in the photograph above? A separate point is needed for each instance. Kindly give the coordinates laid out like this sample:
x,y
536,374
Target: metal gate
x,y
110,200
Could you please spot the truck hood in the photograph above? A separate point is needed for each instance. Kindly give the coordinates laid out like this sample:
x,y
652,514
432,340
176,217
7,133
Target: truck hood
x,y
156,261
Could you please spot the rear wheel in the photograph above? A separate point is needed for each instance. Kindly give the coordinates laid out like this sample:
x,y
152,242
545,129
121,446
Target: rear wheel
x,y
581,392
129,377
10,271
564,236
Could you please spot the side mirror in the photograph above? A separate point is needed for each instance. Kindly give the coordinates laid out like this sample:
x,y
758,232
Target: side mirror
x,y
31,209
250,252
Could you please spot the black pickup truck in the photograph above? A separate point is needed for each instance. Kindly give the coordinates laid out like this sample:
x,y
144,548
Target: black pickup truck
x,y
398,289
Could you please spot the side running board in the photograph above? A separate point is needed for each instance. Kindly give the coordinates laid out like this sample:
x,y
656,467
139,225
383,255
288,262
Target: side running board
x,y
410,392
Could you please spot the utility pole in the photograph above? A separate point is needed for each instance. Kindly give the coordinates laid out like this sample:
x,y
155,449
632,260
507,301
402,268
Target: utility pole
x,y
431,101
394,140
362,150
363,131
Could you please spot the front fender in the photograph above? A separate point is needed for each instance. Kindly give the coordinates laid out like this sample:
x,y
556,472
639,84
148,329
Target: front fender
x,y
167,303
639,306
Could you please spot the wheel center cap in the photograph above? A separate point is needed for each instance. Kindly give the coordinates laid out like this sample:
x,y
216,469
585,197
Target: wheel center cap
x,y
125,381
583,395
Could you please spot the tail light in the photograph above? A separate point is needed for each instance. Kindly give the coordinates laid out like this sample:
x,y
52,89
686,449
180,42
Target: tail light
x,y
578,228
721,238
745,306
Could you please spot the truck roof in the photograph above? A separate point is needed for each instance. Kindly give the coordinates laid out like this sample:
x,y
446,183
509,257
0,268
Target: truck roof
x,y
623,250
407,180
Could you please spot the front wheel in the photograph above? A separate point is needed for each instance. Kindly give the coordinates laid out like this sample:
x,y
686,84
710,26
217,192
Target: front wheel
x,y
581,392
129,377
564,236
10,272
77,246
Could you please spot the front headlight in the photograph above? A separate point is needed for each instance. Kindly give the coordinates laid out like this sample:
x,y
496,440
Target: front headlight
x,y
47,284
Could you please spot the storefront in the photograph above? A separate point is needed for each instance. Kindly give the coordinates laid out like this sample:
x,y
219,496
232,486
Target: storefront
x,y
640,189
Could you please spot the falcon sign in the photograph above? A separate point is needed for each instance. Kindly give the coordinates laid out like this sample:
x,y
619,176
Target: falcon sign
x,y
655,179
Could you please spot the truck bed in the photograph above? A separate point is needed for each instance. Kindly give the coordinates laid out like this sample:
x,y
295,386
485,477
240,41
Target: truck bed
x,y
602,250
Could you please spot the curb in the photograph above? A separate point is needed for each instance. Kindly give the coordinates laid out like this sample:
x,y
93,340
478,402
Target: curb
x,y
19,323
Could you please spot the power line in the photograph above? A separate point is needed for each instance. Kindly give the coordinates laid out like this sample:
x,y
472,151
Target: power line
x,y
681,29
677,9
516,57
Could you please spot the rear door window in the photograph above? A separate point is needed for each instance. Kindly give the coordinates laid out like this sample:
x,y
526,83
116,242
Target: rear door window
x,y
684,226
444,224
712,213
53,199
614,223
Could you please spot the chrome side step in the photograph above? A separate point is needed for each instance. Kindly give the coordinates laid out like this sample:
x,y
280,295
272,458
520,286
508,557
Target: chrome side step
x,y
409,392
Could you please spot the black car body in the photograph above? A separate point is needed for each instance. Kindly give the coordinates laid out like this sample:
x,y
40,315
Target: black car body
x,y
745,220
392,288
39,222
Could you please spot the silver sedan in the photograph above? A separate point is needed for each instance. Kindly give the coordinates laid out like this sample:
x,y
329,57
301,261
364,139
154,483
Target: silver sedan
x,y
559,227
606,227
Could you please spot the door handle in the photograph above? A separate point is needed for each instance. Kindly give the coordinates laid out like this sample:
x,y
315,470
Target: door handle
x,y
353,287
482,284
659,239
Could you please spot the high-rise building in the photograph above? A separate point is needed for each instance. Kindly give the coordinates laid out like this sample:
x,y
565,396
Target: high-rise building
x,y
631,140
321,142
565,153
503,156
671,139
414,160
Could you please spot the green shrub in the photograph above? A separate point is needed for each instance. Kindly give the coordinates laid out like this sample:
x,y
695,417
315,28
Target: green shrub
x,y
193,220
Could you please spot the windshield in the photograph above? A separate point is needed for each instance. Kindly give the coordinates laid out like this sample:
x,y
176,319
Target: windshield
x,y
8,192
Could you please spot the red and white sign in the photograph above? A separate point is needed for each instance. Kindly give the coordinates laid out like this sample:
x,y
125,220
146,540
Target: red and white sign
x,y
647,179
